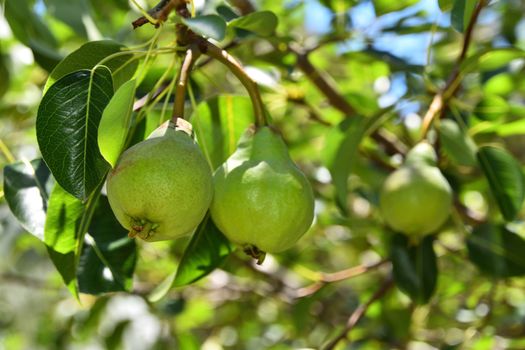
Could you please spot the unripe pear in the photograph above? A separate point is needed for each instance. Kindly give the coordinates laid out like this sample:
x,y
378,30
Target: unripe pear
x,y
416,199
161,187
262,201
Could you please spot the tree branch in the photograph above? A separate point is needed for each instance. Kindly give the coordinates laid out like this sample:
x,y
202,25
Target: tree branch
x,y
325,278
359,313
236,68
160,12
440,100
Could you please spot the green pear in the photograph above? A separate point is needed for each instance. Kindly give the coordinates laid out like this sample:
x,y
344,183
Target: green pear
x,y
416,199
161,187
262,201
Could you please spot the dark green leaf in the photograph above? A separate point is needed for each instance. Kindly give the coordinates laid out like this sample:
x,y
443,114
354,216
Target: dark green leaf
x,y
456,144
67,129
340,152
415,267
116,122
65,264
226,12
211,26
262,23
219,123
108,256
461,13
206,251
92,53
497,251
27,186
505,179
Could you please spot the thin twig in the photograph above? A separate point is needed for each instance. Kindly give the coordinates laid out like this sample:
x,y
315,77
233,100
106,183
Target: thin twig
x,y
192,54
440,100
160,12
325,278
359,313
236,68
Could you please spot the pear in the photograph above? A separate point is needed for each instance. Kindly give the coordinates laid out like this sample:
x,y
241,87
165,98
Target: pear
x,y
262,201
161,187
416,199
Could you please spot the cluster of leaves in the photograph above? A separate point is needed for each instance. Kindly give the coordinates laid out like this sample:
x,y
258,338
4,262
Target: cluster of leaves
x,y
87,116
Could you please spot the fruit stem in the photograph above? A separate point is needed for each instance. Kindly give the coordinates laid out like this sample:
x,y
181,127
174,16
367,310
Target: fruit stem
x,y
255,253
192,54
236,68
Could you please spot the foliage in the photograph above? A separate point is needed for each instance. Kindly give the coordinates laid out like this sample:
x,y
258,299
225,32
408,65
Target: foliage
x,y
350,85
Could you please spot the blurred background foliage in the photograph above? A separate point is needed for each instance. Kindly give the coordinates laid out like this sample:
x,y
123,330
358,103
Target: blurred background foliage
x,y
378,54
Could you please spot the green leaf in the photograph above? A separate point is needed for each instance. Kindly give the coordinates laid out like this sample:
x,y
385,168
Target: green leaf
x,y
27,186
262,23
461,14
386,6
456,144
65,264
108,255
414,267
340,154
6,76
67,128
92,53
491,108
505,179
72,13
32,32
445,5
63,216
206,251
219,123
116,122
491,59
497,251
211,26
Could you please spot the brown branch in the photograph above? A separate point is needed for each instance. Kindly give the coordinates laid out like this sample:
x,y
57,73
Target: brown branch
x,y
236,68
440,100
390,143
325,278
160,12
359,313
144,100
192,54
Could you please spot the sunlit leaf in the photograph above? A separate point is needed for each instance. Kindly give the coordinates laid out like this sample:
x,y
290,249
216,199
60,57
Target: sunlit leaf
x,y
456,144
116,122
219,123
